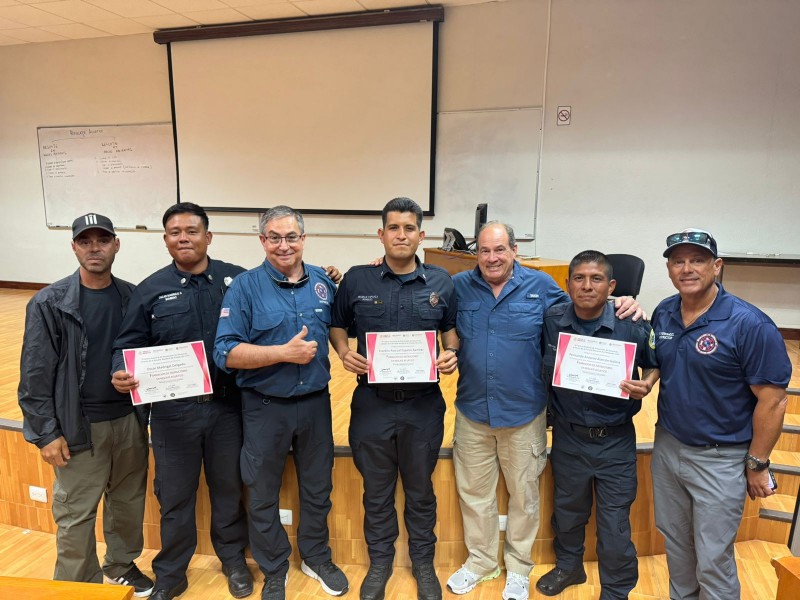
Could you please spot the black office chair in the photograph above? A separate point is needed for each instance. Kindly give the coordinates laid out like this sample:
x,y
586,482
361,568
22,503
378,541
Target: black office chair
x,y
628,271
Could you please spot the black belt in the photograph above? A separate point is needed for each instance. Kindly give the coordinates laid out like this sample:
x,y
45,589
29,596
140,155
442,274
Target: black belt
x,y
602,432
284,399
401,394
199,399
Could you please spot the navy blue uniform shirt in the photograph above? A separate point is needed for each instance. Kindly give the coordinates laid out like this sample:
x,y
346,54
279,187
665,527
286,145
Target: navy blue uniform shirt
x,y
583,408
376,299
173,307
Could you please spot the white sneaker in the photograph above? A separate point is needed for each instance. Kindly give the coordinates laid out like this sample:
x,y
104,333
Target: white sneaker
x,y
516,587
464,580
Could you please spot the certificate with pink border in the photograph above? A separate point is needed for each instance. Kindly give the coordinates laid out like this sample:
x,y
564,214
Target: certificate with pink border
x,y
401,357
168,372
593,365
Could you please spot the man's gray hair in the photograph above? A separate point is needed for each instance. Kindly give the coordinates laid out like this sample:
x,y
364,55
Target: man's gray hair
x,y
509,230
278,212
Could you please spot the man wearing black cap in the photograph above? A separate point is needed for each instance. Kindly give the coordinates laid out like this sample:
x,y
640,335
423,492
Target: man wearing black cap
x,y
722,397
181,303
83,427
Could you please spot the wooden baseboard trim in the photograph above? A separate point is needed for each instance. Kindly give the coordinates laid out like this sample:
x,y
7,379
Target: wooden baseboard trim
x,y
22,285
789,334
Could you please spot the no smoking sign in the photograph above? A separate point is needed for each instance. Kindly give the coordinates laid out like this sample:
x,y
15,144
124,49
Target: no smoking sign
x,y
564,115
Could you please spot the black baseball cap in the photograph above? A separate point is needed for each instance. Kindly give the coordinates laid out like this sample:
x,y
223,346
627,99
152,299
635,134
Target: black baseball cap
x,y
92,221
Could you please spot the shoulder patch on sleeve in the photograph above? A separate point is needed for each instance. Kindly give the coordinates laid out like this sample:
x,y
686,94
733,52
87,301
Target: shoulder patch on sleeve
x,y
652,341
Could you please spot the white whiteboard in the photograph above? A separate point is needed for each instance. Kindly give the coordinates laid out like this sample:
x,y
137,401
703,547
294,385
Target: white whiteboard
x,y
493,157
126,172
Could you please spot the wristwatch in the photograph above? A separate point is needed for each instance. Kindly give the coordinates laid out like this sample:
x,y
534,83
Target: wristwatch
x,y
754,464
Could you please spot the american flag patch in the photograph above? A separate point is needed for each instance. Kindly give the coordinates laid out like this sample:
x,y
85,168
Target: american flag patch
x,y
224,312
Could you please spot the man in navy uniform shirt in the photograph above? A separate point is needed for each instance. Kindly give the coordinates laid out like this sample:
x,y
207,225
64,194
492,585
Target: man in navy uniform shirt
x,y
722,397
273,328
181,303
397,427
594,440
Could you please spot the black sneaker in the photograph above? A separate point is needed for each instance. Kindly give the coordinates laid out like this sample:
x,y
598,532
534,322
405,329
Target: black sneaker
x,y
330,577
374,585
274,587
142,585
428,586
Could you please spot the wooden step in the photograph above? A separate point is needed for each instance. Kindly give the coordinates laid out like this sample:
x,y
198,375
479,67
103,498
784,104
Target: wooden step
x,y
788,483
785,461
793,407
778,507
791,423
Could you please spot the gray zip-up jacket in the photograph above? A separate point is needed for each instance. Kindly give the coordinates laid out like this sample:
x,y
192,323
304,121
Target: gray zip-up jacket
x,y
53,364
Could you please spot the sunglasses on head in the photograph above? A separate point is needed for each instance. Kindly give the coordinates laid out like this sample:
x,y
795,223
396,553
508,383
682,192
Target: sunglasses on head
x,y
697,237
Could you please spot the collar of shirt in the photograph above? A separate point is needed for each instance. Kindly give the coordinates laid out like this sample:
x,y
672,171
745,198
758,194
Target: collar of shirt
x,y
516,278
719,311
607,319
281,280
185,278
418,272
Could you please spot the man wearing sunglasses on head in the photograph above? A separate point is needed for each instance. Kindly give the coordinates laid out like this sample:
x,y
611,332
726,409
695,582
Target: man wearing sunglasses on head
x,y
724,372
273,328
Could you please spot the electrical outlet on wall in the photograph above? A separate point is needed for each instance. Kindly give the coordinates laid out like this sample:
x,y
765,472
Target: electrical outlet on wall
x,y
37,494
286,516
503,519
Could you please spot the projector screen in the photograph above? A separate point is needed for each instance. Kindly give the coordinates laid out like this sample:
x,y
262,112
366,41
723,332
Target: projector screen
x,y
334,121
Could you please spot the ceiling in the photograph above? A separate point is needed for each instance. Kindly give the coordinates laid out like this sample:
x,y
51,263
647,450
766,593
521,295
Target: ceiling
x,y
35,21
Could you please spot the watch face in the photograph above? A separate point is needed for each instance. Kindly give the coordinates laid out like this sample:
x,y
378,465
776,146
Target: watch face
x,y
754,464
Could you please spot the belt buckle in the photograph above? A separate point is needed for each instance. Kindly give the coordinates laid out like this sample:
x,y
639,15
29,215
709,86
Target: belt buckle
x,y
598,432
205,398
399,395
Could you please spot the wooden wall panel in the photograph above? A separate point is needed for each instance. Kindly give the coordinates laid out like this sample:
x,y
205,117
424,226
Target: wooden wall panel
x,y
21,466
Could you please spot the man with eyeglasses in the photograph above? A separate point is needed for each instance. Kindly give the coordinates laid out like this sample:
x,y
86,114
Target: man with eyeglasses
x,y
181,303
722,397
82,426
273,329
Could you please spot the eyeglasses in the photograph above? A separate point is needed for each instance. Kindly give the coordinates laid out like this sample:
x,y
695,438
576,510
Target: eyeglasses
x,y
292,239
696,237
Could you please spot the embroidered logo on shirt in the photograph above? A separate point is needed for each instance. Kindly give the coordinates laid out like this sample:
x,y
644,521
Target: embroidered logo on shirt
x,y
322,291
665,335
707,344
225,312
228,281
652,341
434,299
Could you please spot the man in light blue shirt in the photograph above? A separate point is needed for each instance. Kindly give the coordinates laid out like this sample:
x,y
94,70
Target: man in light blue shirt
x,y
501,401
273,328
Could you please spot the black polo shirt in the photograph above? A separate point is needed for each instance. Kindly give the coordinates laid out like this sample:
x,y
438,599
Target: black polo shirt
x,y
376,299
